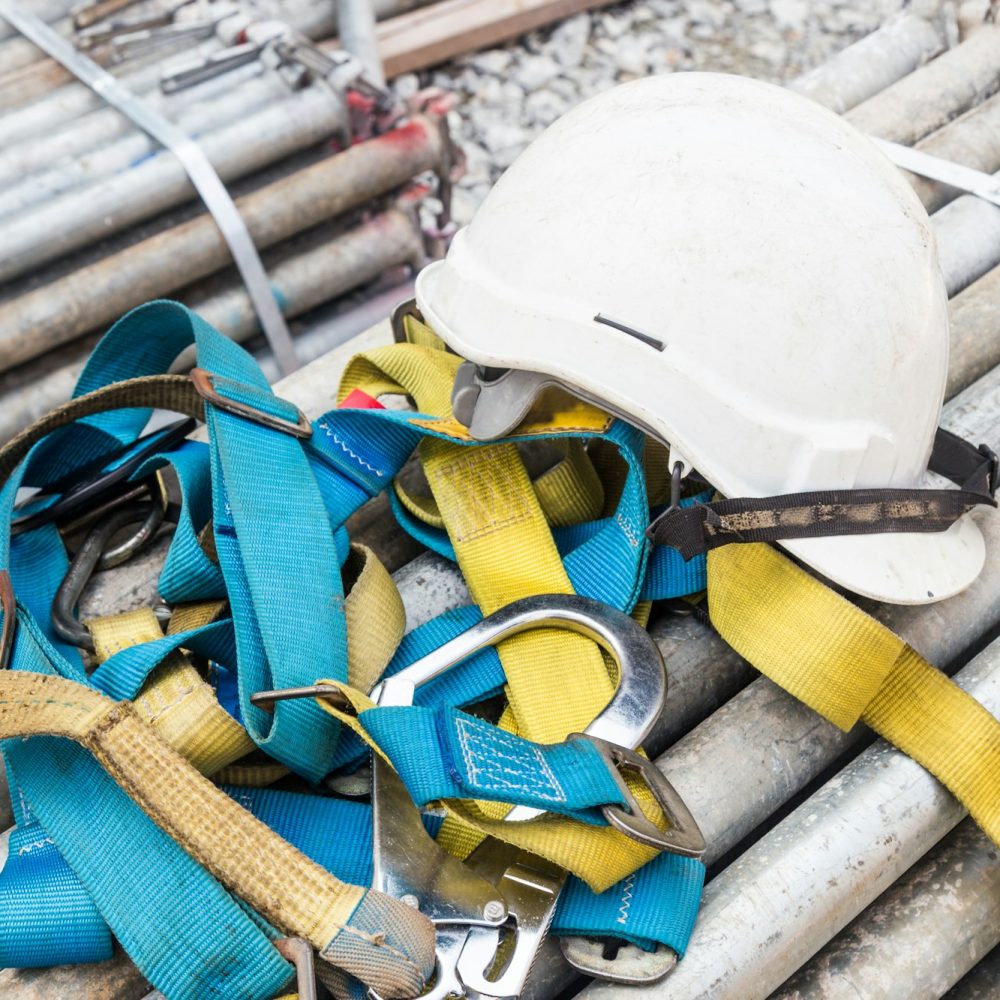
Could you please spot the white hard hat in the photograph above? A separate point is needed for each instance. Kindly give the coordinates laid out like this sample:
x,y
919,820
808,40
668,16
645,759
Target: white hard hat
x,y
741,273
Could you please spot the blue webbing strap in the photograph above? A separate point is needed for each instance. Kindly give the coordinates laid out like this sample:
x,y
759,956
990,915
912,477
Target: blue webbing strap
x,y
351,461
655,905
189,936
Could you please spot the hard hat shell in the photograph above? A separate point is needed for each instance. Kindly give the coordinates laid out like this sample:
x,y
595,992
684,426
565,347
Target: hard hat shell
x,y
783,278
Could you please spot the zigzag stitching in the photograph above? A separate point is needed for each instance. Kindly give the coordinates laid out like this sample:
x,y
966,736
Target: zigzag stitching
x,y
626,900
357,458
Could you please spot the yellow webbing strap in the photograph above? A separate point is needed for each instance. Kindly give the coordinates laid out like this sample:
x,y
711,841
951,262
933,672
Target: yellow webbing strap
x,y
293,893
847,666
557,682
176,700
502,543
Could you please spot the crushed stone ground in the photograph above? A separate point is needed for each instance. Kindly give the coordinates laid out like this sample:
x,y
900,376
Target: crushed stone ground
x,y
511,93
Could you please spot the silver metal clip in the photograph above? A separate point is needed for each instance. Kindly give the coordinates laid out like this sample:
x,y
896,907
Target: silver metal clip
x,y
530,886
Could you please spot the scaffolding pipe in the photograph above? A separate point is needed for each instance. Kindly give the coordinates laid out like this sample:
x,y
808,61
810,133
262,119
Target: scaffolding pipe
x,y
952,898
936,93
870,65
200,118
356,28
309,278
106,128
972,140
96,295
160,182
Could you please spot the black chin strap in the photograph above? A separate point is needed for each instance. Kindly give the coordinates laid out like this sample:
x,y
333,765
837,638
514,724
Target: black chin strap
x,y
697,529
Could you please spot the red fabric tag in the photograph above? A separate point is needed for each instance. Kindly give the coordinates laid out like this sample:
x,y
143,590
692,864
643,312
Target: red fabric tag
x,y
358,400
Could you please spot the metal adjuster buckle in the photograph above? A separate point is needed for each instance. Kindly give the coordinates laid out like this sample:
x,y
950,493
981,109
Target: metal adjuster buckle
x,y
397,319
203,381
681,837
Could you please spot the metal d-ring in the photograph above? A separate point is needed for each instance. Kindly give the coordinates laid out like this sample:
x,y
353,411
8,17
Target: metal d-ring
x,y
94,553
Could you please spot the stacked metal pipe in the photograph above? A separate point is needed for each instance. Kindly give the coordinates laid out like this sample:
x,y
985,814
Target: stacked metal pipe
x,y
872,884
96,217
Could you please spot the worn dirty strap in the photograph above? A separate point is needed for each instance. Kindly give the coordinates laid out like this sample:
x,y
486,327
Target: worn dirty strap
x,y
705,526
387,944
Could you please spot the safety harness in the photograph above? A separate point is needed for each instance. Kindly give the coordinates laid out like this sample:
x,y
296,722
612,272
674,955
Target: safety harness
x,y
142,796
175,865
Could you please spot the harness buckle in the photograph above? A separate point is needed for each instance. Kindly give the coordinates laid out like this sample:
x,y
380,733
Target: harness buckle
x,y
618,961
681,837
204,383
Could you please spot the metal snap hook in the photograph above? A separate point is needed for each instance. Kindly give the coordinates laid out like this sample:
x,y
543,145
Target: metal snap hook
x,y
94,554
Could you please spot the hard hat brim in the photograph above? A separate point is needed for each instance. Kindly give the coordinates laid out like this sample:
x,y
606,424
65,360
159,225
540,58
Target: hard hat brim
x,y
905,568
910,568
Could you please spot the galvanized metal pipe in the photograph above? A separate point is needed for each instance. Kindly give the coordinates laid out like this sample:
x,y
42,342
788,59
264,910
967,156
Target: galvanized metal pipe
x,y
967,233
17,52
106,129
356,28
771,909
870,65
199,116
47,10
975,315
69,103
951,898
93,296
336,326
79,218
972,140
317,275
930,97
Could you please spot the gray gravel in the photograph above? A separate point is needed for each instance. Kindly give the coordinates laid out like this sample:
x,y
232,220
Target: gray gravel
x,y
510,94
